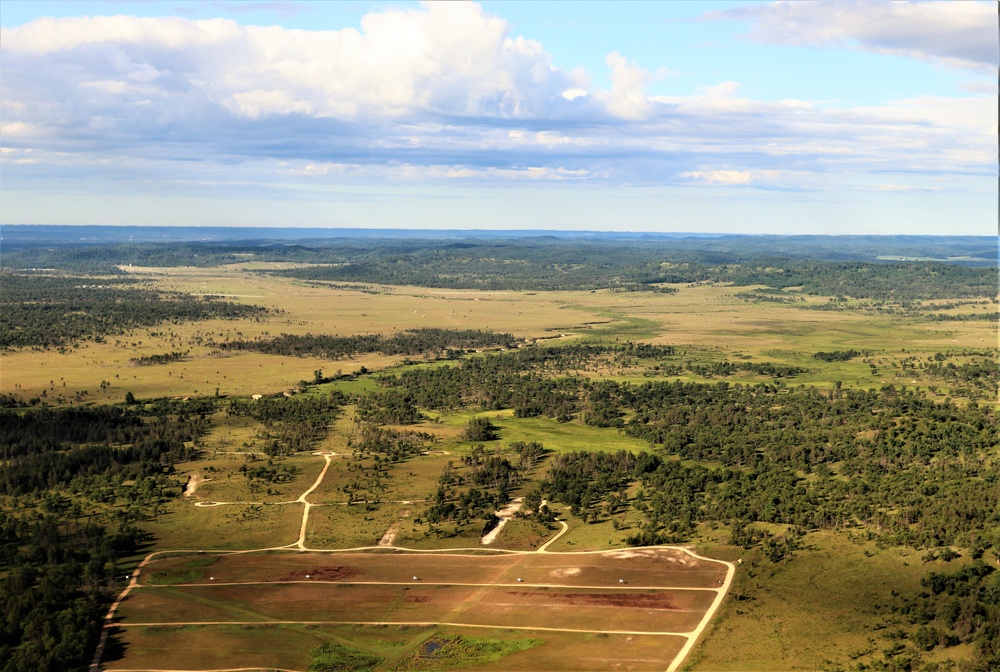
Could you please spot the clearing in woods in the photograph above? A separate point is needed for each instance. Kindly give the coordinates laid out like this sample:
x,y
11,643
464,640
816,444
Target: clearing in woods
x,y
656,601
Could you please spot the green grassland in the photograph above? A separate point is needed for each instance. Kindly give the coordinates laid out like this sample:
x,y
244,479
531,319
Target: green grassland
x,y
229,527
827,603
400,648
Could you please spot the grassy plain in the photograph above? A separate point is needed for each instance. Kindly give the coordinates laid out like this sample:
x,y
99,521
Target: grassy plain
x,y
707,323
229,526
825,603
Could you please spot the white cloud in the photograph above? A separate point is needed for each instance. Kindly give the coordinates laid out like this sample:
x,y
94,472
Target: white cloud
x,y
446,58
732,177
627,98
957,33
441,92
716,98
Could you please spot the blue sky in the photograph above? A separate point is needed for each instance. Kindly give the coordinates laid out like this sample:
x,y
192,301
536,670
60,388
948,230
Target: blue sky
x,y
759,117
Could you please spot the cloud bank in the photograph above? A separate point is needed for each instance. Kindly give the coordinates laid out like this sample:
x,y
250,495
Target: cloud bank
x,y
448,92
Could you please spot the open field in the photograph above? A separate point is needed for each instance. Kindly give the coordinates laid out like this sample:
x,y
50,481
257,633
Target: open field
x,y
507,606
219,479
639,568
574,602
826,603
235,526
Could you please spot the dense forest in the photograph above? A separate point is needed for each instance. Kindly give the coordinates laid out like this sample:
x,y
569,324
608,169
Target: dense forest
x,y
81,481
836,457
292,424
829,248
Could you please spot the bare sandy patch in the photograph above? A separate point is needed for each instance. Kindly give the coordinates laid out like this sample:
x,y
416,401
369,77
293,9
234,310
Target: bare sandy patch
x,y
504,514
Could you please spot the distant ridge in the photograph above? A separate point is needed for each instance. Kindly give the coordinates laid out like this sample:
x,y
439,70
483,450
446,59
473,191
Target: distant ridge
x,y
55,234
966,250
66,234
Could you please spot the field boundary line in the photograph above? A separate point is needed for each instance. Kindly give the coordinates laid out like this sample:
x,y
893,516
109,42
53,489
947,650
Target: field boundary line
x,y
720,595
299,546
412,624
557,586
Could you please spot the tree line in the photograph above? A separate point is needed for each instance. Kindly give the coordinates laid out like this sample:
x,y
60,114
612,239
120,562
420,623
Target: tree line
x,y
453,342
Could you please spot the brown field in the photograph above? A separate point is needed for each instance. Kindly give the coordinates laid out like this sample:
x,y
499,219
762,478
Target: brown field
x,y
619,609
577,609
287,646
645,568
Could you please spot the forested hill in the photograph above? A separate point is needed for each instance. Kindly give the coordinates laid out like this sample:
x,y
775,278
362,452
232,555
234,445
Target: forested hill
x,y
871,267
829,248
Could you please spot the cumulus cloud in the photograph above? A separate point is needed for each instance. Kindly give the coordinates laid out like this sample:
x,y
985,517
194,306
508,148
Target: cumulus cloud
x,y
444,91
960,34
627,98
448,58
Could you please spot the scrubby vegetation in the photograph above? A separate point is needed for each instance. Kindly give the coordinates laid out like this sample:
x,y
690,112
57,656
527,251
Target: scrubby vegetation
x,y
59,311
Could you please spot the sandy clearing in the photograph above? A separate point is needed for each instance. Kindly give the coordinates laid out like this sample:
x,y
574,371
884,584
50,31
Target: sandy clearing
x,y
194,480
504,514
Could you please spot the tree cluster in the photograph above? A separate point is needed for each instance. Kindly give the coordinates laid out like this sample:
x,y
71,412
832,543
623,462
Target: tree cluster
x,y
411,342
44,311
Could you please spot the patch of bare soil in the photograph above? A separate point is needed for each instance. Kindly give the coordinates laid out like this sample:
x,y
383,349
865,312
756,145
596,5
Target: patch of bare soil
x,y
503,515
389,538
322,574
636,600
416,598
192,485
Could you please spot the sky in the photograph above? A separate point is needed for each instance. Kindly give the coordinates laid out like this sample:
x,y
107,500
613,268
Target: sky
x,y
818,117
